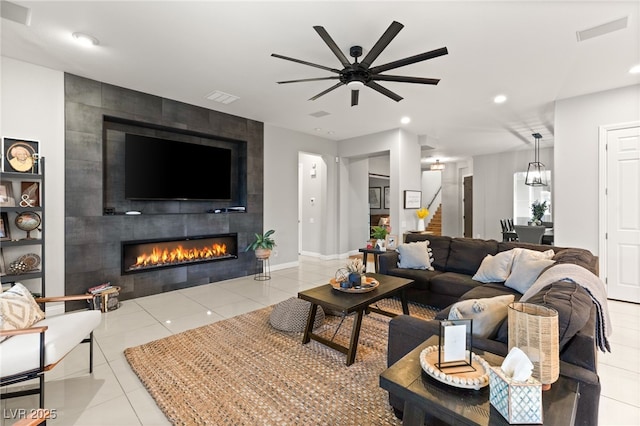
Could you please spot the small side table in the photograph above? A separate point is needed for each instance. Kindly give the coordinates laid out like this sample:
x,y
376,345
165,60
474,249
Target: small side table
x,y
374,252
263,269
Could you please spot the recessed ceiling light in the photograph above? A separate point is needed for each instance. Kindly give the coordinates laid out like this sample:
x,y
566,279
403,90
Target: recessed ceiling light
x,y
500,99
85,39
405,120
635,69
330,132
317,129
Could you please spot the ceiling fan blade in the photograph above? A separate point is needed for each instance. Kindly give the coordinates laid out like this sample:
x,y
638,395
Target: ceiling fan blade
x,y
354,97
410,60
322,67
326,91
382,43
403,79
375,86
309,79
332,45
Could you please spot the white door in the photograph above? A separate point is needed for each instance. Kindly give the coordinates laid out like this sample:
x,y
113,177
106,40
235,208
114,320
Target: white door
x,y
623,213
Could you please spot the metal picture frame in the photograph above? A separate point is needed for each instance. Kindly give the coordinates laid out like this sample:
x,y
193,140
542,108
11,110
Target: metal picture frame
x,y
20,155
5,231
387,197
6,195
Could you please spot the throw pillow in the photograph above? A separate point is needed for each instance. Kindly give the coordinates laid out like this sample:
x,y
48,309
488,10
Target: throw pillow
x,y
414,256
526,254
525,272
18,309
487,314
495,269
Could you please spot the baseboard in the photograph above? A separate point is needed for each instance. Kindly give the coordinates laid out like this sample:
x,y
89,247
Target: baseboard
x,y
285,266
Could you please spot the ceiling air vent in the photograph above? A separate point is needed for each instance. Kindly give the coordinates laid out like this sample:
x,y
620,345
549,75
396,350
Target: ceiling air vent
x,y
597,31
319,114
15,12
223,98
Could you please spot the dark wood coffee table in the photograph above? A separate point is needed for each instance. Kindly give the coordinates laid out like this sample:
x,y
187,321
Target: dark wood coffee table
x,y
423,394
347,303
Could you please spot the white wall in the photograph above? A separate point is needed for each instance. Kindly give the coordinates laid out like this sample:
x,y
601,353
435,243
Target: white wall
x,y
493,188
430,184
576,217
313,203
33,108
281,150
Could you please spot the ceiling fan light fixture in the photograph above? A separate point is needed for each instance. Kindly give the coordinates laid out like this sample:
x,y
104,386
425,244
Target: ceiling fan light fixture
x,y
355,85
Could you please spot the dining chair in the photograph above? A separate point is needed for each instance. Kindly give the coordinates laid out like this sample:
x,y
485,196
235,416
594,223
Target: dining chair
x,y
530,234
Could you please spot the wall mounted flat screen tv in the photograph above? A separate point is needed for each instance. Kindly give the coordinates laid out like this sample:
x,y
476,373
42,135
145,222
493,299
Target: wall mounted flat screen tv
x,y
162,169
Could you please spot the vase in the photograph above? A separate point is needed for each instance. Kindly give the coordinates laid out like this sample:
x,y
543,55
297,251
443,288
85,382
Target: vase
x,y
355,279
380,245
421,226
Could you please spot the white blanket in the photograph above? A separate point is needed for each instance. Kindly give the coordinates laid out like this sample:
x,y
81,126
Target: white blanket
x,y
590,282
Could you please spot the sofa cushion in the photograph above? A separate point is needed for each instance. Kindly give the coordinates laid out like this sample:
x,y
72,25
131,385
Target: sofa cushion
x,y
525,272
505,245
420,277
466,254
415,255
579,257
438,244
452,284
487,314
495,269
18,309
65,332
573,304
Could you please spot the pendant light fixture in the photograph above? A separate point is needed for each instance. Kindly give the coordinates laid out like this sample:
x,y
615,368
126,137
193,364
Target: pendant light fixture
x,y
437,166
536,172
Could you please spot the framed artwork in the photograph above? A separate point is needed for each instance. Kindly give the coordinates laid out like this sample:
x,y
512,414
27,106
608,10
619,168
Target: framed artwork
x,y
391,242
387,200
5,233
20,155
412,199
3,269
6,195
30,194
375,201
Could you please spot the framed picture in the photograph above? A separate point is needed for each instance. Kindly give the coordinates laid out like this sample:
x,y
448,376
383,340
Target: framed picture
x,y
387,200
30,194
375,201
5,233
6,195
20,156
412,199
391,242
3,269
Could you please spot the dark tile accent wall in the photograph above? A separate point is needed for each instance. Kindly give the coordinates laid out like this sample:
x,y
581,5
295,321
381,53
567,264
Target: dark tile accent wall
x,y
92,241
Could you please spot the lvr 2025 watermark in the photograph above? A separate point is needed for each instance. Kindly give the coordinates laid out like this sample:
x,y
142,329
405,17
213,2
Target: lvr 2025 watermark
x,y
24,413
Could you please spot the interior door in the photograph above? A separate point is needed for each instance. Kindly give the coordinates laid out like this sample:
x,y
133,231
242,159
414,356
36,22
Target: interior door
x,y
623,214
467,183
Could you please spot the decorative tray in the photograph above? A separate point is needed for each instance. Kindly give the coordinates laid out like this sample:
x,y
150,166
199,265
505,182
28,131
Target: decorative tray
x,y
467,380
369,286
32,261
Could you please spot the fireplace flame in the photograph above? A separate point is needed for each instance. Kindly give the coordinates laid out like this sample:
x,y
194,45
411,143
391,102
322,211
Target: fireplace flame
x,y
179,254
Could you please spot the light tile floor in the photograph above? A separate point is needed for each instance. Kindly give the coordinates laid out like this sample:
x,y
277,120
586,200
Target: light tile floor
x,y
113,395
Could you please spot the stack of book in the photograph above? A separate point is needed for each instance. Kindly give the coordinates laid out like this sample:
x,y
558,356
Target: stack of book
x,y
100,288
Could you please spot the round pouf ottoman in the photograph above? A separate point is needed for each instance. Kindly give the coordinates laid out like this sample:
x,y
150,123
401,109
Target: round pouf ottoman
x,y
292,314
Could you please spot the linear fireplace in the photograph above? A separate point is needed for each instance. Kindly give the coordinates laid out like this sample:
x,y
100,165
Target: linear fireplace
x,y
146,255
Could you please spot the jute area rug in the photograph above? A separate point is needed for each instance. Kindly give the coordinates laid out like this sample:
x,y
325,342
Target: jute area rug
x,y
242,371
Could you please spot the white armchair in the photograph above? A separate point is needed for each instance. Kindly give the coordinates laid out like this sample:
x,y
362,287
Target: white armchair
x,y
27,353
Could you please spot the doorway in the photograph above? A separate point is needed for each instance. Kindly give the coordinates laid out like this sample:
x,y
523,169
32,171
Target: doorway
x,y
620,210
467,205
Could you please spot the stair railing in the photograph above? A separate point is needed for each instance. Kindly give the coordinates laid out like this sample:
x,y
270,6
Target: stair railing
x,y
434,198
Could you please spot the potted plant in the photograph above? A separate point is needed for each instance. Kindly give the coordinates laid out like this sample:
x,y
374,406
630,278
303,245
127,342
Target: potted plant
x,y
379,233
262,245
537,211
422,212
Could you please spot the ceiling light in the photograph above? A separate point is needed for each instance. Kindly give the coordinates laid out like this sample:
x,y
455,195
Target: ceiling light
x,y
355,85
437,166
405,120
85,39
223,98
635,69
536,172
499,99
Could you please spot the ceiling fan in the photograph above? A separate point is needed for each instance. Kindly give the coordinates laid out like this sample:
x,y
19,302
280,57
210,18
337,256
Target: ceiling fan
x,y
356,75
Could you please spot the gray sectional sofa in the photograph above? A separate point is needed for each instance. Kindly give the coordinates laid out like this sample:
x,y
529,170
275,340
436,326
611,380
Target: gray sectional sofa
x,y
455,261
